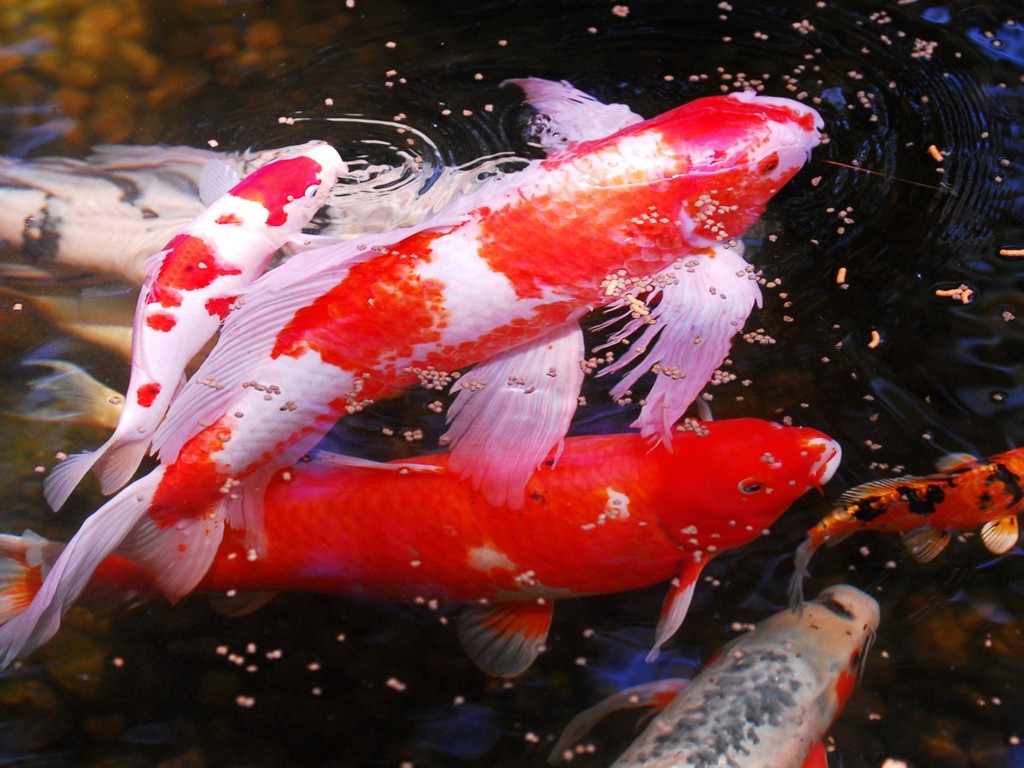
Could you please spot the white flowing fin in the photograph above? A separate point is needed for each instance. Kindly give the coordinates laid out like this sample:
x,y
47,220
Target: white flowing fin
x,y
686,336
249,332
504,639
570,115
100,535
677,603
177,556
657,694
215,180
512,410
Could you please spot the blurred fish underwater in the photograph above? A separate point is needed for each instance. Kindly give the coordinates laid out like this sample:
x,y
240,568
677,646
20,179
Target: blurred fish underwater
x,y
891,287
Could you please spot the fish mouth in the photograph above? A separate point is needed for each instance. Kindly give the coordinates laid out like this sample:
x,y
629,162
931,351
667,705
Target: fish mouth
x,y
831,456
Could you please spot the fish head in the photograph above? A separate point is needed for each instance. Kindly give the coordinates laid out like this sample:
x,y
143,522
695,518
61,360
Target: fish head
x,y
733,154
746,473
294,184
835,632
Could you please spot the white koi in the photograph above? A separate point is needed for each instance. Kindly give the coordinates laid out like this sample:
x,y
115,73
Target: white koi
x,y
765,701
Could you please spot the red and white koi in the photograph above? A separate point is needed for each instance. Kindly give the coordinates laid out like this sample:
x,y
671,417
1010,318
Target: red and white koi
x,y
190,287
765,701
611,516
503,279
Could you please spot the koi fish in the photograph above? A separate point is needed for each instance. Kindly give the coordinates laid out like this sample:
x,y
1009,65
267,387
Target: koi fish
x,y
610,516
190,287
107,213
503,278
764,701
966,493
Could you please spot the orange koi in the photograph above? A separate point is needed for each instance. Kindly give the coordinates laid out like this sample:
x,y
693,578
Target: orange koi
x,y
610,515
966,493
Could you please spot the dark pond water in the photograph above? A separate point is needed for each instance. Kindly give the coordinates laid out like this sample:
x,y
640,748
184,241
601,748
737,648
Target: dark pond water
x,y
305,680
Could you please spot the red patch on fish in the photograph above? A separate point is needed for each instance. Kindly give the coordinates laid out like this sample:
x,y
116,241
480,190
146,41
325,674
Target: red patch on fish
x,y
229,218
405,310
147,393
161,321
189,266
220,306
283,183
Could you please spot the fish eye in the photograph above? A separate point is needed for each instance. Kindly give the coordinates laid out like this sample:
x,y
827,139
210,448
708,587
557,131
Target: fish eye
x,y
750,485
311,190
836,607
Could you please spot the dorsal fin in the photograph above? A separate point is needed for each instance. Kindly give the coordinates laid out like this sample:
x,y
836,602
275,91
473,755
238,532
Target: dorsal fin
x,y
951,461
874,487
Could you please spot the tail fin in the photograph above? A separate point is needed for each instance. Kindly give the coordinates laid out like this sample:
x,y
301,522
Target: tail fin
x,y
68,393
69,575
23,561
115,462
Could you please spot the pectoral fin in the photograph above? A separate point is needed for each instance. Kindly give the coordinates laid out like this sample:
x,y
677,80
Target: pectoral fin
x,y
817,757
685,336
925,544
1000,536
677,603
504,639
655,694
504,428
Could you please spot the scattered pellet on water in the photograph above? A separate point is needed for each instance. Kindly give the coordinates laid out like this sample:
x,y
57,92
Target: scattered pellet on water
x,y
395,684
935,153
245,701
1011,252
876,339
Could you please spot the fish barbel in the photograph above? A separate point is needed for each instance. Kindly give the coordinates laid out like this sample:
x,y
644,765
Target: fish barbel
x,y
504,281
764,701
190,287
966,493
610,516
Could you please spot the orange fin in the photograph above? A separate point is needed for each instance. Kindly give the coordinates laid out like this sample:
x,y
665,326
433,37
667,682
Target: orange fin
x,y
952,461
655,694
235,604
504,639
925,544
677,603
21,572
1000,536
817,757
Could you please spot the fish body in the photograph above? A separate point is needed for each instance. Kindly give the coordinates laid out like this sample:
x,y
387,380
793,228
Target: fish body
x,y
109,212
766,699
610,515
190,287
503,280
965,494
